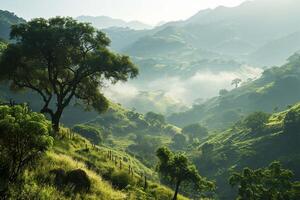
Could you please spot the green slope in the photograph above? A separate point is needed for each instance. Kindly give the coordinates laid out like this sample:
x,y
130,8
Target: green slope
x,y
275,90
78,153
239,147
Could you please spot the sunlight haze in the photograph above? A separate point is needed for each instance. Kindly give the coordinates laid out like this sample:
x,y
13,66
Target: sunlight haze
x,y
147,11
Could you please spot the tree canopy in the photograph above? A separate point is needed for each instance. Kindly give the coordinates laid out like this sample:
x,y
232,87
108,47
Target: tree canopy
x,y
271,183
177,169
62,59
256,121
195,131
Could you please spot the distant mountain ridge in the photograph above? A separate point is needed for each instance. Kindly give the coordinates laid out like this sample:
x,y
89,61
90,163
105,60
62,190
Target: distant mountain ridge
x,y
103,22
235,31
6,20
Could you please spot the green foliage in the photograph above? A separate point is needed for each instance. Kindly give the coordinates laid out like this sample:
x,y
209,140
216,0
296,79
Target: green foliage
x,y
24,137
273,182
121,179
145,147
275,88
91,133
78,180
3,46
64,58
194,131
256,121
179,141
237,148
177,169
292,121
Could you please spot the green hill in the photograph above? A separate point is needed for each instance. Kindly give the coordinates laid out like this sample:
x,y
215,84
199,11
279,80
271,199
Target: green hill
x,y
77,153
274,90
37,163
239,146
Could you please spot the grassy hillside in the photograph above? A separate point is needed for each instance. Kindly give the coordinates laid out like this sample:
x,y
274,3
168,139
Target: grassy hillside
x,y
126,130
74,152
274,91
238,147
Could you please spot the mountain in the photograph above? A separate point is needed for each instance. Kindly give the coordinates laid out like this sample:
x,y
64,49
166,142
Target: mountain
x,y
239,147
240,29
6,20
117,35
276,51
276,89
103,22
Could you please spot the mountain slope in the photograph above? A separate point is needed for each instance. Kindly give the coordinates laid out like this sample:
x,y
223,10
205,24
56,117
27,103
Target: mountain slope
x,y
276,51
102,22
239,147
275,90
6,20
72,152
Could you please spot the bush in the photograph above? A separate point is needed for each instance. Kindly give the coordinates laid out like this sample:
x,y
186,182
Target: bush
x,y
24,135
79,180
59,177
91,133
121,179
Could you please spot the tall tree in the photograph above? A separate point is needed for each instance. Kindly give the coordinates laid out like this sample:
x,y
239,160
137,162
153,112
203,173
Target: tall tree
x,y
60,59
177,169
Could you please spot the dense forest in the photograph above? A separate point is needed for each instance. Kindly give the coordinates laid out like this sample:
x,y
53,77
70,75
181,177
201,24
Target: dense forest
x,y
65,135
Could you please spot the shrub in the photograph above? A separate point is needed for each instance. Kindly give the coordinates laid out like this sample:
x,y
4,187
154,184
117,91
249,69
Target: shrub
x,y
79,180
120,179
59,177
91,133
24,137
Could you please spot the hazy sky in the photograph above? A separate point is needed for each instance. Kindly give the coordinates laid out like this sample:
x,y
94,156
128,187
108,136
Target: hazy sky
x,y
148,11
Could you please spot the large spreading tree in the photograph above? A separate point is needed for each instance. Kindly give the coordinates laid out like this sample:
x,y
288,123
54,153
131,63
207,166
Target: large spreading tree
x,y
62,59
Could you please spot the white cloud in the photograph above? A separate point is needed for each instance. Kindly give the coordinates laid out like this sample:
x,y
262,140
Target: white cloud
x,y
204,84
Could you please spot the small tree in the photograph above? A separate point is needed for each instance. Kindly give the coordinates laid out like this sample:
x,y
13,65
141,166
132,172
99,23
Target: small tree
x,y
24,137
236,82
271,183
176,169
194,131
60,59
256,121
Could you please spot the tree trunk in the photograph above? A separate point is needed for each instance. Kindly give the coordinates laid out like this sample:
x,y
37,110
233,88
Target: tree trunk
x,y
55,124
176,190
55,120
